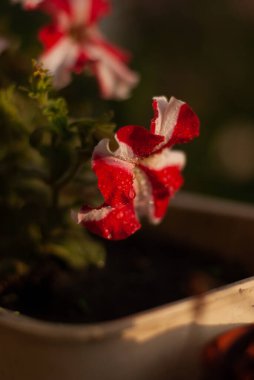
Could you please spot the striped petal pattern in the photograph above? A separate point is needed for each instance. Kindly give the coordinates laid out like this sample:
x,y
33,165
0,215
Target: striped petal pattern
x,y
112,223
140,177
73,42
174,120
162,173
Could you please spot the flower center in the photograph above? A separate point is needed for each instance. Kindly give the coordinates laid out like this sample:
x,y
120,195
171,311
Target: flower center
x,y
78,33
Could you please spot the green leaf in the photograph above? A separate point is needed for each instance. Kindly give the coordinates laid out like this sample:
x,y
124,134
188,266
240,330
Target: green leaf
x,y
77,252
41,90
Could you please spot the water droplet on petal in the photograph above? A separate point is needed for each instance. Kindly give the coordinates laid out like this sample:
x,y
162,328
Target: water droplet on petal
x,y
120,215
107,234
132,194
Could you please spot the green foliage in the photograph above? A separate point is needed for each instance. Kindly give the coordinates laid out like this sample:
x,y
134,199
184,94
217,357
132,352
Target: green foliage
x,y
45,172
84,250
41,88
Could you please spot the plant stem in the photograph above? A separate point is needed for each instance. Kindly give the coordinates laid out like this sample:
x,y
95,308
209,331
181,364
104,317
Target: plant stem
x,y
65,179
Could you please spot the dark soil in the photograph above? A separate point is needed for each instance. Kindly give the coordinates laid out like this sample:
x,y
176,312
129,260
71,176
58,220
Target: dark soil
x,y
139,274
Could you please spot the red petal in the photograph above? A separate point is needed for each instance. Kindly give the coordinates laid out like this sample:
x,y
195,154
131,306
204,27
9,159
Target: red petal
x,y
115,79
115,179
80,63
108,63
113,50
157,113
174,120
164,183
187,126
98,9
110,223
141,142
50,35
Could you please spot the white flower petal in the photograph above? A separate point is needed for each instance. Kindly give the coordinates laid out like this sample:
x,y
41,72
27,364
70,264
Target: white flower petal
x,y
115,78
59,61
93,215
157,178
143,203
123,152
166,120
165,158
81,11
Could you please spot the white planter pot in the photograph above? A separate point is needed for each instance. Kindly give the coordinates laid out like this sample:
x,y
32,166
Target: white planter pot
x,y
159,344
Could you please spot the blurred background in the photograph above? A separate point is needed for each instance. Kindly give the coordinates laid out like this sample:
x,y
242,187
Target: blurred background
x,y
199,51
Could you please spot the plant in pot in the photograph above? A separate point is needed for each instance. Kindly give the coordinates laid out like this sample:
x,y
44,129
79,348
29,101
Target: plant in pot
x,y
51,267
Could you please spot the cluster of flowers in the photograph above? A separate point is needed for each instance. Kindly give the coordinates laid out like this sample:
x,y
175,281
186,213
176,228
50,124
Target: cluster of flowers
x,y
143,173
73,42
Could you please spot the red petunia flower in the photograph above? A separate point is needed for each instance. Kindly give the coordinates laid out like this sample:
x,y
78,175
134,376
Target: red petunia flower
x,y
142,174
73,42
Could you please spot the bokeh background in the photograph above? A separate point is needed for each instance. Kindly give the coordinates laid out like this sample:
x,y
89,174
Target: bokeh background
x,y
199,51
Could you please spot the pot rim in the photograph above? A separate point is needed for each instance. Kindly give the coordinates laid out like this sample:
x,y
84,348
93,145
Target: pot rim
x,y
84,332
185,307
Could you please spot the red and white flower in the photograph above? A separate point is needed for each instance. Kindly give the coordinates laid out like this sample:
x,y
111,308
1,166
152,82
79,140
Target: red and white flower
x,y
142,174
28,4
73,42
